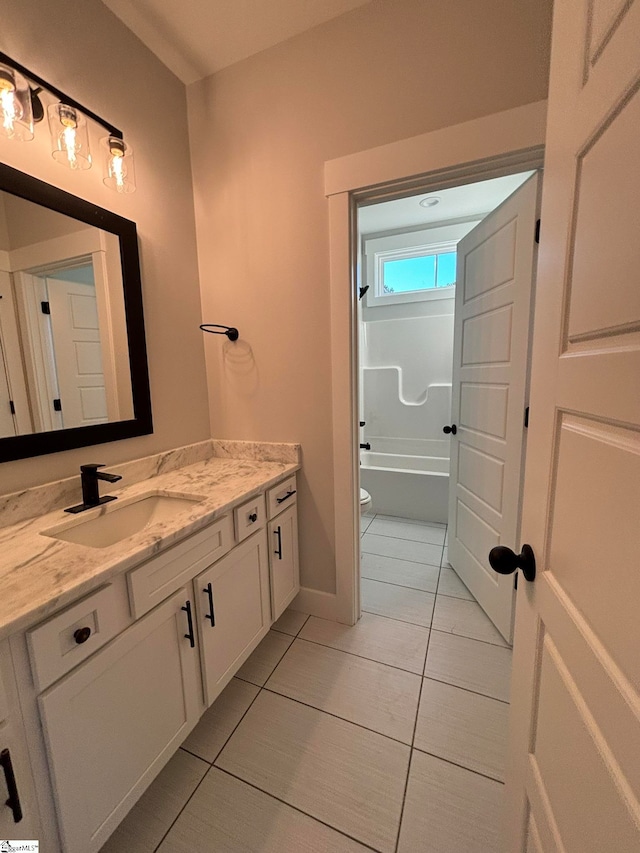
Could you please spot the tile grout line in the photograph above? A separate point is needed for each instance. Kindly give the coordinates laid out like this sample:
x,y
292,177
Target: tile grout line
x,y
419,589
456,764
364,657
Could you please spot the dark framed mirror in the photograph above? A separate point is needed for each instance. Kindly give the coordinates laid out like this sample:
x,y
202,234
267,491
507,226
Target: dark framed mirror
x,y
73,358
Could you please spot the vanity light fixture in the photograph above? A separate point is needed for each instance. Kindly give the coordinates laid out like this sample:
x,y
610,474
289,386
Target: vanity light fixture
x,y
119,172
15,105
21,107
69,136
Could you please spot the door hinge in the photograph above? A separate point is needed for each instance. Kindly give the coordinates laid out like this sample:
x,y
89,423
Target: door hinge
x,y
46,308
12,408
57,405
526,417
537,230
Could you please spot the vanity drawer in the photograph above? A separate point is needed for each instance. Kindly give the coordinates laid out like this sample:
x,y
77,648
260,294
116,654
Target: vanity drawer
x,y
156,579
281,496
71,636
250,516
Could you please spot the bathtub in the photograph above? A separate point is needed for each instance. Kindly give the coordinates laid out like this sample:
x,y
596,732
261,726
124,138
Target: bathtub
x,y
407,485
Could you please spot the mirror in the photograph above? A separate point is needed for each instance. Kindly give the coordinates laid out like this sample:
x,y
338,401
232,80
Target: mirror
x,y
73,363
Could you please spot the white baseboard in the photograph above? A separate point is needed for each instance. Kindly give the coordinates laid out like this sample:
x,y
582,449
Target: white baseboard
x,y
317,603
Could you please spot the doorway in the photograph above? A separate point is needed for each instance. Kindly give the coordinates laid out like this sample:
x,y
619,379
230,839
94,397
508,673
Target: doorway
x,y
442,388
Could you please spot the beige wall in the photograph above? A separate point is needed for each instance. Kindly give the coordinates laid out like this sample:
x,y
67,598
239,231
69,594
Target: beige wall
x,y
261,131
86,51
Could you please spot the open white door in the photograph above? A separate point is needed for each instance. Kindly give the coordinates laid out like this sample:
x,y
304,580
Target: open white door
x,y
78,352
495,268
573,781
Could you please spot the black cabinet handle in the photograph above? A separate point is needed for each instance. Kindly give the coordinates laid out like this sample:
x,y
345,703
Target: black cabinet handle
x,y
504,561
211,616
286,497
14,798
190,635
453,429
81,635
278,551
253,517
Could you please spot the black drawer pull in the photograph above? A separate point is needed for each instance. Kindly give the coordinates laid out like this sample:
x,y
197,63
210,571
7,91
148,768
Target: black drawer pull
x,y
253,517
211,616
286,497
81,635
190,635
278,551
14,798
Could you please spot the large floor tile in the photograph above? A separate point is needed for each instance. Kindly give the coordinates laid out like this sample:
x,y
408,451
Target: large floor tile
x,y
402,549
400,572
397,602
374,637
465,618
450,810
408,530
216,724
371,694
228,816
290,622
346,776
476,666
463,727
259,666
451,585
365,522
146,824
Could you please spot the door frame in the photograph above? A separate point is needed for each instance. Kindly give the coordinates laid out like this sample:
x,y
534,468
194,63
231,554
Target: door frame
x,y
488,147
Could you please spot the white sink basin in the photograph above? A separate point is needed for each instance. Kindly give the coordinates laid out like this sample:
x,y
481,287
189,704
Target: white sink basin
x,y
116,521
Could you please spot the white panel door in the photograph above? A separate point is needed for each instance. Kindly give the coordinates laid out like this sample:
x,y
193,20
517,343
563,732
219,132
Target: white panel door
x,y
573,781
7,419
490,353
78,352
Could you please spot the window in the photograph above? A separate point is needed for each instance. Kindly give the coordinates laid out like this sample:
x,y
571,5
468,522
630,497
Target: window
x,y
416,273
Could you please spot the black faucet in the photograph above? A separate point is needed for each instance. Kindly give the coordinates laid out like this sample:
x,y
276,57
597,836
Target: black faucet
x,y
89,476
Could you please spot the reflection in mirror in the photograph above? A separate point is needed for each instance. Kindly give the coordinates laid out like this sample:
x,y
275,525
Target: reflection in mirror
x,y
64,354
73,357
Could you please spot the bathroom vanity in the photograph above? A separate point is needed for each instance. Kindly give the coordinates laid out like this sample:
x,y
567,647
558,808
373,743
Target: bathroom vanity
x,y
110,653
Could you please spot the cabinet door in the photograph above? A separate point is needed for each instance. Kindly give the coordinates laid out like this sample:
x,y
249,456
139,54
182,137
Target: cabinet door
x,y
283,560
18,814
113,723
234,611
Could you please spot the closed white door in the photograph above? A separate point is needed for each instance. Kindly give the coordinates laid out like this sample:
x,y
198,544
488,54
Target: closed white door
x,y
495,269
234,611
78,352
573,782
283,560
112,724
7,419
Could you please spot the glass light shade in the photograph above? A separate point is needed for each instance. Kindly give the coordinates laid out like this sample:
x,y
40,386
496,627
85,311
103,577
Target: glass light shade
x,y
119,170
16,112
69,137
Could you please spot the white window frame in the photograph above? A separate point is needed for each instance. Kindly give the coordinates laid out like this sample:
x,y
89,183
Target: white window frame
x,y
379,297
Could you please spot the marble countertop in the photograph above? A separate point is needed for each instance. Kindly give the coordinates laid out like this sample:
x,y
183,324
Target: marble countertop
x,y
39,574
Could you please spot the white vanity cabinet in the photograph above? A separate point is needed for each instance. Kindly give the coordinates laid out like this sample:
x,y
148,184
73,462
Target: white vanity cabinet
x,y
283,545
234,611
113,722
18,810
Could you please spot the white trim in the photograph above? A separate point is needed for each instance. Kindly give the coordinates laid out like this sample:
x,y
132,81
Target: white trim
x,y
316,603
497,144
49,252
516,130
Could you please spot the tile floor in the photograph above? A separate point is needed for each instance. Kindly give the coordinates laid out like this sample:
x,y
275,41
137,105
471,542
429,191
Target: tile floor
x,y
388,736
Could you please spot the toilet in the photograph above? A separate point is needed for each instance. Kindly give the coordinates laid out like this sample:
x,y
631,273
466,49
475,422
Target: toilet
x,y
365,501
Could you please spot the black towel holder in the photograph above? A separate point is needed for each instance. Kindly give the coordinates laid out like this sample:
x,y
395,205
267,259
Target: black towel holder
x,y
230,331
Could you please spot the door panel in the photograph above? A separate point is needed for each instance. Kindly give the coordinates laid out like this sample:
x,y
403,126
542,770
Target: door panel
x,y
491,346
575,727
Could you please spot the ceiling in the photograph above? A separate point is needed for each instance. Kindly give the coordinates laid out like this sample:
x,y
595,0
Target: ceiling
x,y
196,38
476,199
